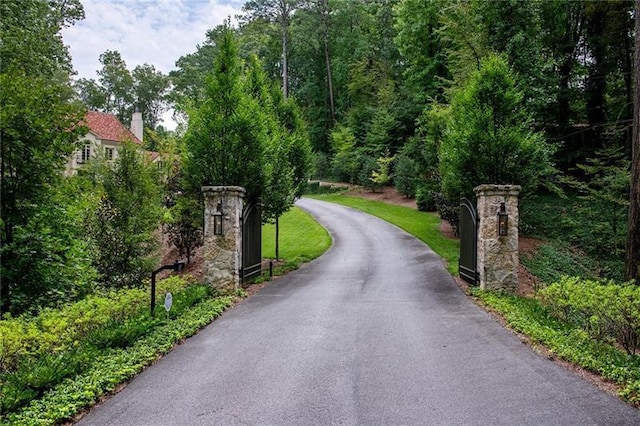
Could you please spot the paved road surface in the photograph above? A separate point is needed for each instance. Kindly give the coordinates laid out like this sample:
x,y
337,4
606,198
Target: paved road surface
x,y
375,332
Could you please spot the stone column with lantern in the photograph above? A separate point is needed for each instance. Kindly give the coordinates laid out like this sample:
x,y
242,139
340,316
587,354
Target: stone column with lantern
x,y
222,251
498,236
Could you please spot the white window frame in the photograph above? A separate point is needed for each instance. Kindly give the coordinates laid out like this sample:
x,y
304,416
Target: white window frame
x,y
85,154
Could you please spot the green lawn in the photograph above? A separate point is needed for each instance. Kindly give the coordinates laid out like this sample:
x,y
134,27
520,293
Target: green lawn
x,y
423,226
301,237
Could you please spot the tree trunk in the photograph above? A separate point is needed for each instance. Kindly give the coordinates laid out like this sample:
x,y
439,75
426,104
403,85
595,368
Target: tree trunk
x,y
325,35
632,258
285,12
285,65
277,239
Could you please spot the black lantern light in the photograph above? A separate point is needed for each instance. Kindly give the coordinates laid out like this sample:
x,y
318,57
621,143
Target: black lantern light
x,y
217,220
503,221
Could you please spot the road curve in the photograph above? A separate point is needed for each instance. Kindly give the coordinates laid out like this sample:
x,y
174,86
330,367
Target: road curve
x,y
375,332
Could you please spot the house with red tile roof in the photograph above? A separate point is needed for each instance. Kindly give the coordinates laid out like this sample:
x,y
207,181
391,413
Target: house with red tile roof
x,y
106,136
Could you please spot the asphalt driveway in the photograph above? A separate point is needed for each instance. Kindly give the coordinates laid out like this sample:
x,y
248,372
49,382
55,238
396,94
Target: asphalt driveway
x,y
375,332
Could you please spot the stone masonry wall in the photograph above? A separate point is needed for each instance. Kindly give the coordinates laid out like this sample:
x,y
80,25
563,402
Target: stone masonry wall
x,y
223,253
497,256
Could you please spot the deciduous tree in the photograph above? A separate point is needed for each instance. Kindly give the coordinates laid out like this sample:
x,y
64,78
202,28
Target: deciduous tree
x,y
39,129
124,224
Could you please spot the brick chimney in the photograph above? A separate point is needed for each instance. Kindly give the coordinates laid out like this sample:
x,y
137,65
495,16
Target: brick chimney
x,y
137,127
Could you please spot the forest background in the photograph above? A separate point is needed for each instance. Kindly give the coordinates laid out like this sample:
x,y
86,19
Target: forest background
x,y
431,96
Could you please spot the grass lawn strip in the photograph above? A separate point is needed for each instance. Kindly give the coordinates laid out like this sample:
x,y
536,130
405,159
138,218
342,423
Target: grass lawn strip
x,y
421,225
300,237
115,367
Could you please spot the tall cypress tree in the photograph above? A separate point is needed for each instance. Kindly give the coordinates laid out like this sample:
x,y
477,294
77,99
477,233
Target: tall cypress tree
x,y
225,139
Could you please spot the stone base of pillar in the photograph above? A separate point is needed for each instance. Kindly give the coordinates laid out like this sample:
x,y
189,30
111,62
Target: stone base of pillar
x,y
497,255
222,251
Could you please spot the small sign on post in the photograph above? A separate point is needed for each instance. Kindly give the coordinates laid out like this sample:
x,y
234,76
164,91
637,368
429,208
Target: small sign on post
x,y
168,301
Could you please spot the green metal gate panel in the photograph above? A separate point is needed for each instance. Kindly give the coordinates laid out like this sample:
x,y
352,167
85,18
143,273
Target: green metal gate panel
x,y
468,242
251,241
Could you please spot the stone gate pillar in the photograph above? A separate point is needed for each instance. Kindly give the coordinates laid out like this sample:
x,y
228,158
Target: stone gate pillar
x,y
497,255
222,249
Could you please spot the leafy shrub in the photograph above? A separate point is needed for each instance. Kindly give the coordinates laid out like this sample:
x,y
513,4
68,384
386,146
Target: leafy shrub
x,y
448,210
406,176
604,309
426,196
34,373
48,261
56,330
322,165
366,165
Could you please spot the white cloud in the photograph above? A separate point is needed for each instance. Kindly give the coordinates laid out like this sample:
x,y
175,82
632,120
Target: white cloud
x,y
156,32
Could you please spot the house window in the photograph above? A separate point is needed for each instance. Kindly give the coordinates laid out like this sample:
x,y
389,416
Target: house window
x,y
108,153
85,154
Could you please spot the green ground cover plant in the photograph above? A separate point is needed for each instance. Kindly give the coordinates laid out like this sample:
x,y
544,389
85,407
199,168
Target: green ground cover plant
x,y
579,238
56,361
422,225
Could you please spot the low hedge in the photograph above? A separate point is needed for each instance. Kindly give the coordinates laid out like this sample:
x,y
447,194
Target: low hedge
x,y
57,330
606,310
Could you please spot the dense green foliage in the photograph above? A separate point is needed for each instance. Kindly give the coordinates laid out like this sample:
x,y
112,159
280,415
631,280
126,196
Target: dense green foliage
x,y
607,311
39,129
225,139
123,225
489,137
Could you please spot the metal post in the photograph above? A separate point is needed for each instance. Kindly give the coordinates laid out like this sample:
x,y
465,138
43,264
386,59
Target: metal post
x,y
176,267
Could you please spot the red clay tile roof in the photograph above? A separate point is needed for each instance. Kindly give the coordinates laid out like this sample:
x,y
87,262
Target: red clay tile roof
x,y
108,127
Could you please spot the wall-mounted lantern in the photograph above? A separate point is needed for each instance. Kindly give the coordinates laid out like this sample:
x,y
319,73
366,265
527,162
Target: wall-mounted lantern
x,y
503,221
217,220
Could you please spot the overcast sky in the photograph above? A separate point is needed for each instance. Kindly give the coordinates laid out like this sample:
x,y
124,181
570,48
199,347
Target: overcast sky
x,y
157,32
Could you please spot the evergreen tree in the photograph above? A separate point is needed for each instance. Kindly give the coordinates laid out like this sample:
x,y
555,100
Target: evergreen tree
x,y
225,140
489,137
